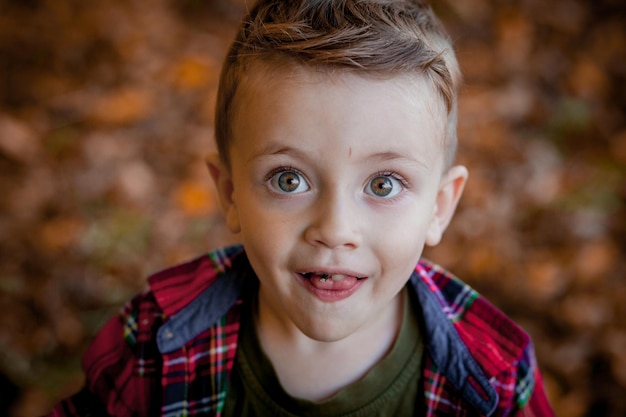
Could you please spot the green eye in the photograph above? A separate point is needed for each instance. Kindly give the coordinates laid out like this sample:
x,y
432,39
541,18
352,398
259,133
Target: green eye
x,y
383,186
289,182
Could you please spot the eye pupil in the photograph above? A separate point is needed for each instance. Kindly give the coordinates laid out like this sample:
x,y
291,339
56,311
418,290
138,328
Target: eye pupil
x,y
381,186
288,181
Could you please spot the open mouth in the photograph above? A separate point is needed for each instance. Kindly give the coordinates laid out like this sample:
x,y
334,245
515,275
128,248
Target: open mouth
x,y
331,286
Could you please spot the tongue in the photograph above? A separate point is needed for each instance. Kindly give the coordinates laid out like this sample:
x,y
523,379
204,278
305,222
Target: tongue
x,y
326,283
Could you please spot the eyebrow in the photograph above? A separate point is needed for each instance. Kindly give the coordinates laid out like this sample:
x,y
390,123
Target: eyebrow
x,y
273,149
395,156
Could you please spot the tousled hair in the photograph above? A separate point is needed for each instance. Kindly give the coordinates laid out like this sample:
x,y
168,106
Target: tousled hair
x,y
369,37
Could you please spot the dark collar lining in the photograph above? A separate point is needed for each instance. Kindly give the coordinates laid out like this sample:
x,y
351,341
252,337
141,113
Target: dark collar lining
x,y
450,353
205,310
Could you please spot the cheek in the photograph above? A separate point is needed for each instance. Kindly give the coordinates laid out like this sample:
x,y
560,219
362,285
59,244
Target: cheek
x,y
407,222
402,237
265,231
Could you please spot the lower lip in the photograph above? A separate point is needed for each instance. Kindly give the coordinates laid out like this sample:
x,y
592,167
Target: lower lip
x,y
329,295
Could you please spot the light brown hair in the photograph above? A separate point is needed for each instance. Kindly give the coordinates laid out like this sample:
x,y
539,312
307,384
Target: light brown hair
x,y
375,37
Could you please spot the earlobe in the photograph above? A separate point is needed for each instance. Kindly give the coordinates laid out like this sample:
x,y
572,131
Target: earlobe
x,y
448,196
434,234
224,184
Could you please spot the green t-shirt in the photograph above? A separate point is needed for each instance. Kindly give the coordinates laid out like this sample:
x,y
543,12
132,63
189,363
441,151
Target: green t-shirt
x,y
390,389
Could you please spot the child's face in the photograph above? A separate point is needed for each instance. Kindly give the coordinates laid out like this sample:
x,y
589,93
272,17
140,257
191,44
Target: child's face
x,y
335,186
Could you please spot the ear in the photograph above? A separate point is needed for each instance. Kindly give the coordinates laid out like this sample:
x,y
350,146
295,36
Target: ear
x,y
450,190
222,179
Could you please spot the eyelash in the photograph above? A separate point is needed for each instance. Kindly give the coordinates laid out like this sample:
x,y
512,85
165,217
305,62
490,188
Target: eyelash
x,y
280,169
393,174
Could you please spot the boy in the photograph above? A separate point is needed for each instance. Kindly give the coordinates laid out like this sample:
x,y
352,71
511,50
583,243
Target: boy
x,y
336,127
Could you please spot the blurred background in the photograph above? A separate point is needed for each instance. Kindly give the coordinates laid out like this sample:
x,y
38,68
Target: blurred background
x,y
106,113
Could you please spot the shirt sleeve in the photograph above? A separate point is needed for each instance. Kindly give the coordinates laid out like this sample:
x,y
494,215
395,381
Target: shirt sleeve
x,y
122,367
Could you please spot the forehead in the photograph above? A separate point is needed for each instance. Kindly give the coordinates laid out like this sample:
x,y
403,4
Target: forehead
x,y
292,100
263,74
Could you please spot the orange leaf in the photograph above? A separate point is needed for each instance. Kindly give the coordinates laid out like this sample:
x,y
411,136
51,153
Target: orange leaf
x,y
194,198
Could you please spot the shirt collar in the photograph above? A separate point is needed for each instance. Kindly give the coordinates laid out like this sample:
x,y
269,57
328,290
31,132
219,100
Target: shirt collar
x,y
446,347
442,340
205,310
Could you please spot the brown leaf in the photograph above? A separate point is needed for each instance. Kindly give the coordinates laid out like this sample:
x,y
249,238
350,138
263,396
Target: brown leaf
x,y
60,233
588,80
17,140
123,106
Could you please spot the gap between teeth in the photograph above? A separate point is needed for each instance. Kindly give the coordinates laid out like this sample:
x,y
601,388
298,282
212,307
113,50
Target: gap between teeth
x,y
325,277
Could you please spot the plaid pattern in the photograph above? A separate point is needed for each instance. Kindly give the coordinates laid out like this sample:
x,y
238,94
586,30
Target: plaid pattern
x,y
502,349
477,363
195,377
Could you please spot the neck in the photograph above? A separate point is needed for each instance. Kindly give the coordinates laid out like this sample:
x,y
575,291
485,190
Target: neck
x,y
329,366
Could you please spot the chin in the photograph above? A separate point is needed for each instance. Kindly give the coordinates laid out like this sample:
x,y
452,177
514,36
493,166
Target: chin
x,y
325,333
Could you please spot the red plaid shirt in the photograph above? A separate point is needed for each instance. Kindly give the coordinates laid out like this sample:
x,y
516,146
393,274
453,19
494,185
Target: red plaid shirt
x,y
171,351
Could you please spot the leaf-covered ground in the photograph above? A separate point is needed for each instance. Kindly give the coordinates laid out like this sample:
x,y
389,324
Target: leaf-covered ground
x,y
106,111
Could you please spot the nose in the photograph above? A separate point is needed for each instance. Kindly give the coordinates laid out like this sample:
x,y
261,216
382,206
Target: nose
x,y
334,224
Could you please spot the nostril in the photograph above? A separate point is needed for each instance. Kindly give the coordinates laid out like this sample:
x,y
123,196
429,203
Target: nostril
x,y
332,238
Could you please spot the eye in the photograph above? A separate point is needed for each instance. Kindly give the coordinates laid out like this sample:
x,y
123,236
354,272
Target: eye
x,y
384,186
289,181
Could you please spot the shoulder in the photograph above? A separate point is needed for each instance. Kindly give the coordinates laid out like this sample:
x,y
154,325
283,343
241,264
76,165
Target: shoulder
x,y
176,287
500,347
125,356
170,292
484,328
